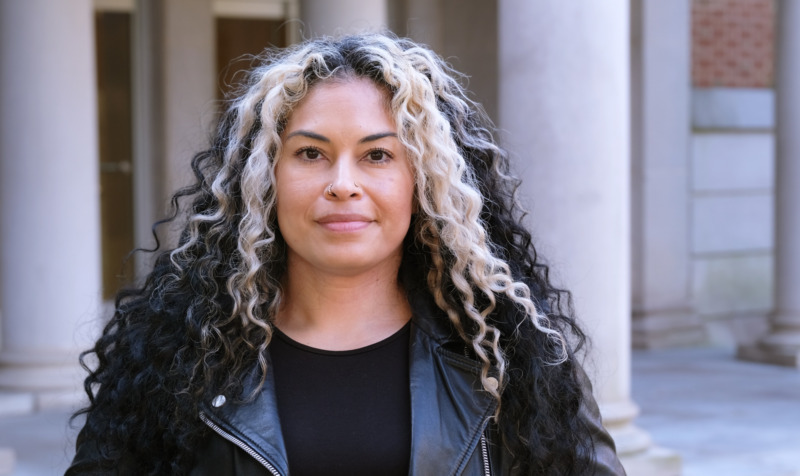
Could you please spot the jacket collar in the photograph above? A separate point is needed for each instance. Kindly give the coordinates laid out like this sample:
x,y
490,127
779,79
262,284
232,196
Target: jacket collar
x,y
449,410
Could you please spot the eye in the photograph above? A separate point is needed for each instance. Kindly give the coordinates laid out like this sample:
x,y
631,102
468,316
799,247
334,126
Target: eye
x,y
309,153
378,155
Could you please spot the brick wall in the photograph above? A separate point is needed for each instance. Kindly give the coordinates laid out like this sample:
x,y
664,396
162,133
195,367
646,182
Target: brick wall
x,y
732,43
733,167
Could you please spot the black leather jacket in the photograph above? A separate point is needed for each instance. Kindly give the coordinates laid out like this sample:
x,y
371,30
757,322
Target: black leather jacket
x,y
448,418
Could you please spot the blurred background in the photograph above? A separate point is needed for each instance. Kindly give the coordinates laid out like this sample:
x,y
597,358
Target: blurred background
x,y
656,141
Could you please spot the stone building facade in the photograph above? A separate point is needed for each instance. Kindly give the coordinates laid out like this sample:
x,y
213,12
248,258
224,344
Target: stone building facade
x,y
663,184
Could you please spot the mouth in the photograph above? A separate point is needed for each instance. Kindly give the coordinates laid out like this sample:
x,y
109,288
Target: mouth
x,y
344,222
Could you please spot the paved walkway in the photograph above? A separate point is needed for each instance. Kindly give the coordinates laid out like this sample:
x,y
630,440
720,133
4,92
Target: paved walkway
x,y
725,417
42,442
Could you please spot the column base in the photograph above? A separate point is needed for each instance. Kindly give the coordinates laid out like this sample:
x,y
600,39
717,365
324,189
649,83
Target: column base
x,y
634,446
7,460
655,461
763,354
666,328
780,347
14,403
31,383
618,420
24,403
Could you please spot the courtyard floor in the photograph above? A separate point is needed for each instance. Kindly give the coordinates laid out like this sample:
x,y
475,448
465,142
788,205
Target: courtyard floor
x,y
723,416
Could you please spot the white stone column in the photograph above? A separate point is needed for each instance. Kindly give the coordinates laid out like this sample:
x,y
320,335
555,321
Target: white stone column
x,y
332,17
565,110
189,84
782,345
49,196
660,71
175,95
149,190
424,23
448,27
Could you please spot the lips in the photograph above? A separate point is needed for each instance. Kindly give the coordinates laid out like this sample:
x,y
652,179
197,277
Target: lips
x,y
344,222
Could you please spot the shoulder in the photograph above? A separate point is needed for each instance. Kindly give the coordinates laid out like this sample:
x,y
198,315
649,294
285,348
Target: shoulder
x,y
431,324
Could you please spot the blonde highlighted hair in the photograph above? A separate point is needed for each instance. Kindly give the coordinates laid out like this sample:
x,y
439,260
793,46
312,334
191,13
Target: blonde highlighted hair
x,y
430,108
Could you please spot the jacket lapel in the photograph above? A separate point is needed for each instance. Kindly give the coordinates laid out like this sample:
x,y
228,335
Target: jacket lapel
x,y
256,423
449,410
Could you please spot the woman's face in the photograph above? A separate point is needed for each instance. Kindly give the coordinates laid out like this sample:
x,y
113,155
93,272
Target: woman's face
x,y
345,189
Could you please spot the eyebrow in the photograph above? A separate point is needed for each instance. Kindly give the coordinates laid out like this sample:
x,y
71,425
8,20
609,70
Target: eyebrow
x,y
377,136
309,134
322,138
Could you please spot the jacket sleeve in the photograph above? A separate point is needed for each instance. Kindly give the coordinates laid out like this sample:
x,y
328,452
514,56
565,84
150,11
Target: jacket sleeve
x,y
86,459
606,460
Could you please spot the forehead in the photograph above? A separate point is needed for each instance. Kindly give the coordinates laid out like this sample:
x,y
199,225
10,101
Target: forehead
x,y
341,99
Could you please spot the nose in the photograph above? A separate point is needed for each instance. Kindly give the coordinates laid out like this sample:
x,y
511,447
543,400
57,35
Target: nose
x,y
344,183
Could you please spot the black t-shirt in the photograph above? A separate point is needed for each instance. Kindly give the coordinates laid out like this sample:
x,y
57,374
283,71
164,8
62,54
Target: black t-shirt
x,y
344,412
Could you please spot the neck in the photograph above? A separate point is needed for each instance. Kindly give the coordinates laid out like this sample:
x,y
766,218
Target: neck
x,y
341,312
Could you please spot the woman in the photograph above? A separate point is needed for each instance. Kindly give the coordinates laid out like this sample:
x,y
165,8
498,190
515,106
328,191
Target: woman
x,y
352,294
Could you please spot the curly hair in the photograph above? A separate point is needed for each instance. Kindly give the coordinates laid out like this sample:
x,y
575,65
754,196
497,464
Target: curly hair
x,y
204,314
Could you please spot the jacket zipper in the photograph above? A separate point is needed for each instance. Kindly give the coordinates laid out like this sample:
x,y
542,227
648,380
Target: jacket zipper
x,y
487,469
241,444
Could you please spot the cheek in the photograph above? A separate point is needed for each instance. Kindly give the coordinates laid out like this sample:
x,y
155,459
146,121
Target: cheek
x,y
290,199
290,186
409,187
291,203
404,200
282,214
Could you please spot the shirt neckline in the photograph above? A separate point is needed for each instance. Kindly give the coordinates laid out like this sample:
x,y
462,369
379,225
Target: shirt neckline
x,y
314,350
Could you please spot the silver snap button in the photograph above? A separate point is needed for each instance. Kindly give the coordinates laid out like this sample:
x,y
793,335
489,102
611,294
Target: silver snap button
x,y
492,383
218,401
